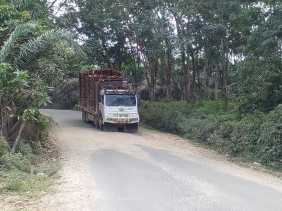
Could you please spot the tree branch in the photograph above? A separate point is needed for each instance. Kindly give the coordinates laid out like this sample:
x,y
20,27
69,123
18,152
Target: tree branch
x,y
52,4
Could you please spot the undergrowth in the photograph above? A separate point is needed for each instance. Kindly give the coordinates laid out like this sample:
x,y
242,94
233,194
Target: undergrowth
x,y
255,137
29,171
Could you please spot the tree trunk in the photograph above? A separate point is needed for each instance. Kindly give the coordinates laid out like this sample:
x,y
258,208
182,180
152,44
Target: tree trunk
x,y
17,141
193,71
2,118
168,71
154,66
188,93
188,82
13,130
224,73
224,80
216,84
184,91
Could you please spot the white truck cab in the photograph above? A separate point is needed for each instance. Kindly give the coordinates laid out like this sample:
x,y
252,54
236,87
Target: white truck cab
x,y
119,108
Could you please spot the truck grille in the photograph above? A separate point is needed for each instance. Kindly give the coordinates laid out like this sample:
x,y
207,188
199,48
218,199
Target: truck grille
x,y
123,115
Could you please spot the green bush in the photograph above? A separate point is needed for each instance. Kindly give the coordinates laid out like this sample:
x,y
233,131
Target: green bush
x,y
271,138
220,138
256,136
21,182
43,122
26,150
15,161
166,116
196,128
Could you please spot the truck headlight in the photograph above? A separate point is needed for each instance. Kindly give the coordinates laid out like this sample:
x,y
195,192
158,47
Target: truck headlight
x,y
133,119
111,115
134,115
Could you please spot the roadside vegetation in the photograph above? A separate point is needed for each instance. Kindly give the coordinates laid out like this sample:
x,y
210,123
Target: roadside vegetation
x,y
31,170
251,137
35,55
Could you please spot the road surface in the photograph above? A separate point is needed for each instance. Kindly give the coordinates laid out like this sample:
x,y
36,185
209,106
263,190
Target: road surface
x,y
150,171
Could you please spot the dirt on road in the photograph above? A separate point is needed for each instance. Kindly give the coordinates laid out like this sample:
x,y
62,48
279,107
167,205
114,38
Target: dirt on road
x,y
149,170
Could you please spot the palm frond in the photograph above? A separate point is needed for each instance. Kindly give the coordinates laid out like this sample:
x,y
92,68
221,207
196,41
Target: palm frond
x,y
9,45
33,49
22,4
37,8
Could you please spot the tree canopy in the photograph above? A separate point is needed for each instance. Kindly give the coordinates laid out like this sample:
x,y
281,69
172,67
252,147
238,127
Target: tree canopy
x,y
186,50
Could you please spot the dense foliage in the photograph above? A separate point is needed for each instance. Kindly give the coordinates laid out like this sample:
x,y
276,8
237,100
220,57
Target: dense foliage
x,y
34,55
256,137
187,49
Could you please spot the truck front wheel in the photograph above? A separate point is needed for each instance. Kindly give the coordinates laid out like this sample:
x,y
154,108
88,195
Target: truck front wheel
x,y
84,116
133,128
100,124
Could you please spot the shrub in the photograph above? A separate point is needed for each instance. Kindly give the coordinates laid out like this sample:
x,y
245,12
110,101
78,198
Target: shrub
x,y
196,128
164,115
36,133
182,117
26,150
220,138
15,161
30,184
208,107
270,138
43,127
256,136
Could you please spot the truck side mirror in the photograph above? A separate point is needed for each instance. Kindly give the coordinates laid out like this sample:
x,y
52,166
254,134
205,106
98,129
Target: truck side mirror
x,y
101,99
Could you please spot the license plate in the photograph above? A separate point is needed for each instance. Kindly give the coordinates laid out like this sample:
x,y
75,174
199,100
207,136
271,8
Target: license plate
x,y
123,115
123,120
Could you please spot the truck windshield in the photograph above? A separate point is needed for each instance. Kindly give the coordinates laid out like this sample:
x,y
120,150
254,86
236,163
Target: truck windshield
x,y
120,100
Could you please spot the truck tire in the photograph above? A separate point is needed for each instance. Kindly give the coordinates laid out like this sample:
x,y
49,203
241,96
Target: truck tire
x,y
84,116
96,123
120,129
133,128
100,124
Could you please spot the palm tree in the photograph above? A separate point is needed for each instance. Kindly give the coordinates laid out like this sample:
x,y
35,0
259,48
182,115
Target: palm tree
x,y
24,46
20,53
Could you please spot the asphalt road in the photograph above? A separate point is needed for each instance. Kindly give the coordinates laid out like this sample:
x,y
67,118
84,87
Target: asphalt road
x,y
151,171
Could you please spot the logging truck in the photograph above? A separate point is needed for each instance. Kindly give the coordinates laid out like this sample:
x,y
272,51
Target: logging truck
x,y
106,99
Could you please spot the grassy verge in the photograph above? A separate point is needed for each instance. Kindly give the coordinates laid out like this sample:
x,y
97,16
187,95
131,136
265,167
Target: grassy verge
x,y
30,172
251,137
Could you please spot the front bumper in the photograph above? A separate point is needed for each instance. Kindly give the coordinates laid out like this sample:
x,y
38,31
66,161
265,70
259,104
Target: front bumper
x,y
121,120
